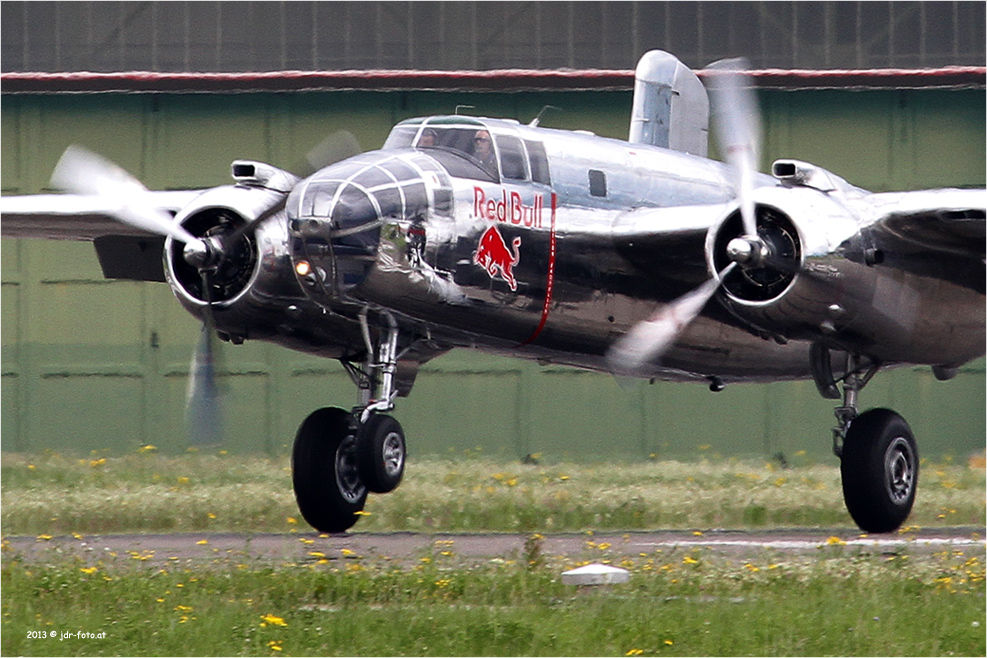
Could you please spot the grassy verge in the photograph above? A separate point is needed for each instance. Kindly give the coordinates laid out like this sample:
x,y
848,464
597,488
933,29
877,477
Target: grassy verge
x,y
57,494
675,604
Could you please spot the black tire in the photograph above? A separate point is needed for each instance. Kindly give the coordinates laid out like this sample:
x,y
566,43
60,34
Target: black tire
x,y
381,453
879,466
324,473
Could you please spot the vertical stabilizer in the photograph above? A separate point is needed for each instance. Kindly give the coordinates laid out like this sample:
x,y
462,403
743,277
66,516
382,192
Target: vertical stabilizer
x,y
671,109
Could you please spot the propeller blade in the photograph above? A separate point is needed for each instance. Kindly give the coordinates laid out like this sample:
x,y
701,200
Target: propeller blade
x,y
203,413
338,146
649,339
736,120
83,172
249,227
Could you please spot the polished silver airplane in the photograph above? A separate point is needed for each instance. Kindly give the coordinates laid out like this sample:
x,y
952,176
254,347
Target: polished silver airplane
x,y
642,258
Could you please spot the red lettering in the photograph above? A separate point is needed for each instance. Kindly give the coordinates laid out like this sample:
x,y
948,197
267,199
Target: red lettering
x,y
510,208
517,208
479,198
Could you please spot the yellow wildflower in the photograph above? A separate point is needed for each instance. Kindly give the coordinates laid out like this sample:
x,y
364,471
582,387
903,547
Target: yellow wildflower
x,y
273,620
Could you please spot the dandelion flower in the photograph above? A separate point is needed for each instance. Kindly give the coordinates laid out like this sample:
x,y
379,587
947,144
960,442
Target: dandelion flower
x,y
274,620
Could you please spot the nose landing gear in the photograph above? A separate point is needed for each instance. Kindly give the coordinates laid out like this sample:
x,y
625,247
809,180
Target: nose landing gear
x,y
877,450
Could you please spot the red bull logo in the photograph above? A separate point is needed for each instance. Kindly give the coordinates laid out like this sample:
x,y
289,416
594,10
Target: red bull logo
x,y
493,255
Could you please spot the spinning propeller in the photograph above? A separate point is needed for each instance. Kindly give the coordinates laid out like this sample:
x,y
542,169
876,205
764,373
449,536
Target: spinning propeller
x,y
736,122
81,171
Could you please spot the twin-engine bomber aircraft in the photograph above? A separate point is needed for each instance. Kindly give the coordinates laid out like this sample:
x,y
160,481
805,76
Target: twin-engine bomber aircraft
x,y
641,258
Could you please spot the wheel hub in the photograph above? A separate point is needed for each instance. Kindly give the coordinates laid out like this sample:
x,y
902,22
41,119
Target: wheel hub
x,y
393,453
347,474
899,470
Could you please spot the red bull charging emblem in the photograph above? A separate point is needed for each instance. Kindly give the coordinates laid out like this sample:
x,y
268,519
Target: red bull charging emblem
x,y
493,255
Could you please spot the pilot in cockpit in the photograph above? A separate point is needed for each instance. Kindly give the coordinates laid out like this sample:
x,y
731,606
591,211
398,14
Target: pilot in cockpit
x,y
483,150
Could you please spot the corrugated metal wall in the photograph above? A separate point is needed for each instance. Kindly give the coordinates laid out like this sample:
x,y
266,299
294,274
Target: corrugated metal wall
x,y
94,364
265,36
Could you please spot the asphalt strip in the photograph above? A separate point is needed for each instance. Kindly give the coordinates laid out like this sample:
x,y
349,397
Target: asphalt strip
x,y
301,547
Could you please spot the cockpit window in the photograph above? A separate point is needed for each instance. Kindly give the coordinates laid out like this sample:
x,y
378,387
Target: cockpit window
x,y
512,158
472,141
539,162
402,135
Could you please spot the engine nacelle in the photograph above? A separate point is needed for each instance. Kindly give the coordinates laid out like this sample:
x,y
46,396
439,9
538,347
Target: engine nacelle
x,y
806,285
253,291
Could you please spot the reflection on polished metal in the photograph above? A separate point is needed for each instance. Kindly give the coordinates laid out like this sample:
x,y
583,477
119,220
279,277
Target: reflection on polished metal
x,y
567,248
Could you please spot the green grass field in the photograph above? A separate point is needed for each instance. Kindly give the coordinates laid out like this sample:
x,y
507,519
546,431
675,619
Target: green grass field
x,y
684,604
147,492
841,601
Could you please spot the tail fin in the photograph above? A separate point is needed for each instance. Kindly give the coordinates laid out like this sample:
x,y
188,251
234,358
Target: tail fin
x,y
671,109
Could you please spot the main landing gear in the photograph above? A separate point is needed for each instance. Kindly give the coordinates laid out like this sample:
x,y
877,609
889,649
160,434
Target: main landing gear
x,y
340,456
877,450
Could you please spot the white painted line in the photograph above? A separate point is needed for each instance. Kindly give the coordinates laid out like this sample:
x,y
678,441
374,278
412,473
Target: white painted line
x,y
803,544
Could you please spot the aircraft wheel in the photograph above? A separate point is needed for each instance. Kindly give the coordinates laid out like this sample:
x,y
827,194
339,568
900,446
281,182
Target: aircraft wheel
x,y
880,470
381,453
324,471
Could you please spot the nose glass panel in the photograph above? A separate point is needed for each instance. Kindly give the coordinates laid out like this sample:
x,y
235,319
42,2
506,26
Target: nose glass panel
x,y
339,213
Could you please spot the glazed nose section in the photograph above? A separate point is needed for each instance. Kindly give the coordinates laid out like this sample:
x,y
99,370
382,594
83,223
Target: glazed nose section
x,y
360,212
334,237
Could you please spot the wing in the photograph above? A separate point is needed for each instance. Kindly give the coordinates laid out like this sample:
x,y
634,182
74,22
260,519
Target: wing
x,y
948,221
667,245
76,216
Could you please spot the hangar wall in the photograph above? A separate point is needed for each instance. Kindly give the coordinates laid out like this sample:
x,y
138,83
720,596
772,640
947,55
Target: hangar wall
x,y
90,364
276,36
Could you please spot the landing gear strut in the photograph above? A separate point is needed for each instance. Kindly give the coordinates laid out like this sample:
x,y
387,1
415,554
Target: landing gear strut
x,y
340,456
877,450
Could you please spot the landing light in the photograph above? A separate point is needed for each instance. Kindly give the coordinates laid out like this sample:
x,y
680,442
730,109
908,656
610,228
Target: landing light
x,y
302,268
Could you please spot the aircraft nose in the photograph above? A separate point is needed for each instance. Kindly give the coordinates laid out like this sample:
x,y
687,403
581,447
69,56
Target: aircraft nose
x,y
337,215
334,239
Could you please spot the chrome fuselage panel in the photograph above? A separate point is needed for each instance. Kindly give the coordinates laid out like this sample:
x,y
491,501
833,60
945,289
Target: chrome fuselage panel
x,y
567,240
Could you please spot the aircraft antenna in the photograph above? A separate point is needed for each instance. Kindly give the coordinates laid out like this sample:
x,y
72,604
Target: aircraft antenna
x,y
534,122
464,107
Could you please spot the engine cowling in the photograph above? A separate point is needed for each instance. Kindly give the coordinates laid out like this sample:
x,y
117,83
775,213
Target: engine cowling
x,y
806,282
252,290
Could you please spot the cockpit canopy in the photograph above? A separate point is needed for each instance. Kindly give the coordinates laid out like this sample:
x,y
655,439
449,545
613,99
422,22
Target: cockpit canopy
x,y
471,148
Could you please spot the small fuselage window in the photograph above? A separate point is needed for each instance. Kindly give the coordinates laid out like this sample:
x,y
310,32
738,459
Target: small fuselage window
x,y
597,183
